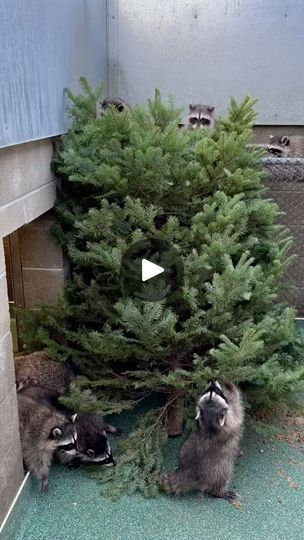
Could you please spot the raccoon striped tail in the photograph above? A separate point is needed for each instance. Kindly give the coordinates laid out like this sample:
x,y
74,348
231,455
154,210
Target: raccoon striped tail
x,y
176,482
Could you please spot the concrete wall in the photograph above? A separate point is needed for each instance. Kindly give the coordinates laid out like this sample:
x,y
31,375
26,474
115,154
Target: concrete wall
x,y
11,470
27,190
46,45
206,51
27,187
42,263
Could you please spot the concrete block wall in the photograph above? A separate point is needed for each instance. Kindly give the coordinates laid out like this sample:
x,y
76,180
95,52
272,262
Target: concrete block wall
x,y
27,190
11,470
27,186
43,265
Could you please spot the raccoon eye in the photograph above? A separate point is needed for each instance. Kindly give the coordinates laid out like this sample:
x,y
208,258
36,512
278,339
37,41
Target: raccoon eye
x,y
56,432
90,453
205,121
193,120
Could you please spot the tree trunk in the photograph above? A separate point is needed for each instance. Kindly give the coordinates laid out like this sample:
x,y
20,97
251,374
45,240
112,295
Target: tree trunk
x,y
175,417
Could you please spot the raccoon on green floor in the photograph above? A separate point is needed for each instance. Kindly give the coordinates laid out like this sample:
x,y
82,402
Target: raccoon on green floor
x,y
43,430
207,456
92,442
45,381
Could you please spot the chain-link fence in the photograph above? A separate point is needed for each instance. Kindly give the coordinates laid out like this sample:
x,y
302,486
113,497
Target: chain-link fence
x,y
285,183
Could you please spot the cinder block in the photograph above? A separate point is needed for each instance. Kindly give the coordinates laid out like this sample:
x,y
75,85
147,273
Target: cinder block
x,y
42,285
37,246
9,426
11,477
12,217
7,373
40,201
4,312
24,168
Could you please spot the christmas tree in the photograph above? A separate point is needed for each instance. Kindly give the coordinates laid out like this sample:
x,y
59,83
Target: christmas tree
x,y
135,175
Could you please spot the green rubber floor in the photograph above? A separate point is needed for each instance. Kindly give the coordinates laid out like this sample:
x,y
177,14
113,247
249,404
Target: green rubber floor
x,y
269,479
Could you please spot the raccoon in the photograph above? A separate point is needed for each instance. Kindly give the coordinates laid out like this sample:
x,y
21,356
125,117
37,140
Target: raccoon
x,y
92,443
278,146
207,456
117,103
42,431
36,369
285,146
200,116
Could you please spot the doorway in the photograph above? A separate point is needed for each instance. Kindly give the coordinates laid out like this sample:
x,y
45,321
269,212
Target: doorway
x,y
14,285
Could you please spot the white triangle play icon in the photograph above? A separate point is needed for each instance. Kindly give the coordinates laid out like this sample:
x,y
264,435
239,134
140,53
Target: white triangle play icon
x,y
150,270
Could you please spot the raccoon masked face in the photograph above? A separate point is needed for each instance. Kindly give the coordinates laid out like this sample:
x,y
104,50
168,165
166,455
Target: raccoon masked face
x,y
212,409
115,103
200,116
98,452
280,140
65,434
278,145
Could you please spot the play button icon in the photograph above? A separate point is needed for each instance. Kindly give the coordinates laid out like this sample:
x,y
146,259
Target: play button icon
x,y
151,270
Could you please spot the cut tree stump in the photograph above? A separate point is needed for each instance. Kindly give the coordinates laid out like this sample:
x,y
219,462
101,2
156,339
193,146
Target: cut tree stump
x,y
175,418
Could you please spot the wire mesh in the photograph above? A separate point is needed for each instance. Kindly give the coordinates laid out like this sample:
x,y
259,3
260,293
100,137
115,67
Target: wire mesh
x,y
285,185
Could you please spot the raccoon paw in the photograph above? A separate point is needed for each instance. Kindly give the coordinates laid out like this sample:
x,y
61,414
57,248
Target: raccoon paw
x,y
229,496
45,484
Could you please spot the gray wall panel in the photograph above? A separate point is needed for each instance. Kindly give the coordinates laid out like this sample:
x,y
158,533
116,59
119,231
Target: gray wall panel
x,y
46,45
208,50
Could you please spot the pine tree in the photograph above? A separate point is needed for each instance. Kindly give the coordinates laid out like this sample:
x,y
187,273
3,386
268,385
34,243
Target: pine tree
x,y
134,175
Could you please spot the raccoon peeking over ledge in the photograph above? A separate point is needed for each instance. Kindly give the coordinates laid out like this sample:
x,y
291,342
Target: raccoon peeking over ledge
x,y
207,456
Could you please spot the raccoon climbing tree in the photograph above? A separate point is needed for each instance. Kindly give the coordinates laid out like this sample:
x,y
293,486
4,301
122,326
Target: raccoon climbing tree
x,y
131,175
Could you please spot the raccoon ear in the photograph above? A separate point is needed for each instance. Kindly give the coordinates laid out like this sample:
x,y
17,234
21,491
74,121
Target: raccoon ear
x,y
104,433
90,453
271,137
197,413
73,418
285,140
210,109
191,107
56,433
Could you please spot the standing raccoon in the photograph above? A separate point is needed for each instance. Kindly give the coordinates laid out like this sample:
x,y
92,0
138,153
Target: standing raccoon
x,y
207,456
42,431
36,369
